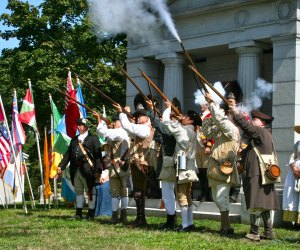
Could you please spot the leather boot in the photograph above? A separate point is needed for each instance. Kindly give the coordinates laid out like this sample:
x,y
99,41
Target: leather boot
x,y
268,233
170,223
123,217
114,217
78,214
140,217
90,214
255,222
225,230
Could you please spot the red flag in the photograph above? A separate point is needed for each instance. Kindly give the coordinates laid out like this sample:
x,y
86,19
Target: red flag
x,y
70,89
72,110
1,113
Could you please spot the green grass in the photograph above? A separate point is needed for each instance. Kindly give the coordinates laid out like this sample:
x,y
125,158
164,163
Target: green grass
x,y
53,229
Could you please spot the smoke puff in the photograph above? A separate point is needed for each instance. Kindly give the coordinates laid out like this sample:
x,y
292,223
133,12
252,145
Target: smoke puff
x,y
200,99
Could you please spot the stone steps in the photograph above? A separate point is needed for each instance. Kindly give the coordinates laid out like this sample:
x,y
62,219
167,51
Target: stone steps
x,y
202,210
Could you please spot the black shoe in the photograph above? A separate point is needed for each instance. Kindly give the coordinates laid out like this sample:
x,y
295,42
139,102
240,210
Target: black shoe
x,y
228,232
267,235
187,229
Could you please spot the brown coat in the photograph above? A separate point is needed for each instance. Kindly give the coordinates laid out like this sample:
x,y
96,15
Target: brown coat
x,y
256,195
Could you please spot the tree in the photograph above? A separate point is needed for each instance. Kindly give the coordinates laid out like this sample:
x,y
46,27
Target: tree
x,y
52,37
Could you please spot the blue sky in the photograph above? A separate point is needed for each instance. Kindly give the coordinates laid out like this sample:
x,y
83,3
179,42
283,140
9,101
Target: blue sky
x,y
12,42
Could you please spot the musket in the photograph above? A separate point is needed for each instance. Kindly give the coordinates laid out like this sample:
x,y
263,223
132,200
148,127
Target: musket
x,y
104,95
209,84
176,111
146,98
187,55
86,107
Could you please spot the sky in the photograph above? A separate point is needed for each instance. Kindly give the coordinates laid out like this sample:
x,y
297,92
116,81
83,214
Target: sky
x,y
12,42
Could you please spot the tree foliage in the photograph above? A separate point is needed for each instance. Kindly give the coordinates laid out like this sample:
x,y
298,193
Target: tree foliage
x,y
52,37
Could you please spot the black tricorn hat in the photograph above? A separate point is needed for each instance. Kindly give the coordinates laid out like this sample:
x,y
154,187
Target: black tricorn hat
x,y
82,121
195,117
262,116
141,112
115,117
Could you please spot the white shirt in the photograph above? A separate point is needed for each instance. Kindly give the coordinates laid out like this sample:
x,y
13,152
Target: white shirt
x,y
140,130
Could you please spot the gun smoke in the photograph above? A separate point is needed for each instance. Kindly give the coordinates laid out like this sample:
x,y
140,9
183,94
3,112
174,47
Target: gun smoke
x,y
141,20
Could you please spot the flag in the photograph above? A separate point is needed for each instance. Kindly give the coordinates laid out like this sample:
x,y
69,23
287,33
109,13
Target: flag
x,y
79,98
47,189
4,149
70,90
1,112
27,113
10,176
72,110
61,139
103,139
18,135
54,157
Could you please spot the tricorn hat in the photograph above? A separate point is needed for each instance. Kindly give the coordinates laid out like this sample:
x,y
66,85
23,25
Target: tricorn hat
x,y
297,129
82,121
262,116
141,112
195,117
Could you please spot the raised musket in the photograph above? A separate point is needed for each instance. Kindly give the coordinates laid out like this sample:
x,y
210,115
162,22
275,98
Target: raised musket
x,y
85,106
146,98
105,96
208,84
176,111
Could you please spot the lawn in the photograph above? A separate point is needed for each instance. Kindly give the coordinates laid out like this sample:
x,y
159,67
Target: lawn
x,y
53,229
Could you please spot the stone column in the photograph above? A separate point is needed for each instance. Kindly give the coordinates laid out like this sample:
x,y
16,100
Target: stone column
x,y
249,68
286,96
150,67
173,76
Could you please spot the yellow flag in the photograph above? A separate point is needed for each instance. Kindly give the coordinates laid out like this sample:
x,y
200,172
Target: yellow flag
x,y
47,189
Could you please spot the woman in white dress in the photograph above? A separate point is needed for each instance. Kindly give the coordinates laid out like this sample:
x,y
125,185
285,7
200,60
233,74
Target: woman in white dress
x,y
291,193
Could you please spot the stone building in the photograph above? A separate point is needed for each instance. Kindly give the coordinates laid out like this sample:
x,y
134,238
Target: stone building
x,y
232,41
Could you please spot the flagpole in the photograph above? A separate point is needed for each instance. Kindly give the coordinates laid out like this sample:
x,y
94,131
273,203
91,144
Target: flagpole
x,y
38,149
29,185
40,164
5,196
52,161
14,155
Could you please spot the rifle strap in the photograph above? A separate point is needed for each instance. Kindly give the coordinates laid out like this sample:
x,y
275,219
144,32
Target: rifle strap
x,y
85,154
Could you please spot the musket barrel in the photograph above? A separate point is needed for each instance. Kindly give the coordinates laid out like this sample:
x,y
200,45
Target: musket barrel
x,y
104,95
159,92
85,106
209,84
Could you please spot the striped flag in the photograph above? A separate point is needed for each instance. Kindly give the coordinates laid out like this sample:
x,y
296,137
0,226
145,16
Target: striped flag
x,y
27,113
4,149
18,134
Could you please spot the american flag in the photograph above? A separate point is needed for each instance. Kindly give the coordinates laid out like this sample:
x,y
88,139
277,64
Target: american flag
x,y
70,89
18,134
4,149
